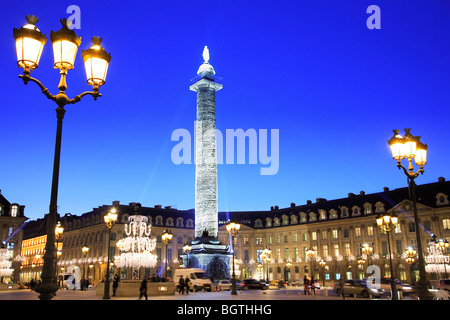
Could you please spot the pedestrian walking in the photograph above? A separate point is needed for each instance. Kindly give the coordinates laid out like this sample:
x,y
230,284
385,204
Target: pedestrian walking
x,y
306,286
116,281
181,285
143,289
313,286
187,284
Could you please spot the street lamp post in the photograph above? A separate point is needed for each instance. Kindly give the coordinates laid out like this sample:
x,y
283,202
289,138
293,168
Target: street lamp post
x,y
233,229
387,223
110,220
29,44
367,250
310,254
266,259
410,254
187,248
58,233
84,251
323,263
166,237
410,147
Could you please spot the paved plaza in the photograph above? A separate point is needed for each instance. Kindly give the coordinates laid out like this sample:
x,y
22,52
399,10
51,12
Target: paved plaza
x,y
283,294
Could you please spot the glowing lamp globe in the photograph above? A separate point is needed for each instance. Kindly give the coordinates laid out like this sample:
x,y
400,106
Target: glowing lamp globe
x,y
96,61
65,46
29,44
397,146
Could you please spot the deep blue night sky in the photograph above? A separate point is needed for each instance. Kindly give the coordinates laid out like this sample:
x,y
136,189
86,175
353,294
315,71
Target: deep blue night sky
x,y
311,69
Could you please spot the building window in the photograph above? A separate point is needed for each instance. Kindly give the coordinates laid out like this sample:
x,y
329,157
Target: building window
x,y
336,250
314,236
357,232
324,235
259,240
347,249
286,238
367,208
411,227
370,231
305,237
295,237
446,224
325,250
14,211
334,233
268,222
269,240
397,229
346,233
246,241
277,239
344,212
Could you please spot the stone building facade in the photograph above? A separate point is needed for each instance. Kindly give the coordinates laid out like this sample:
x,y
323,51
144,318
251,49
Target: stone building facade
x,y
336,230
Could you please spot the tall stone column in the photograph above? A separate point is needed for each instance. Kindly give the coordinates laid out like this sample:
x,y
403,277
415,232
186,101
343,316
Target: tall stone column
x,y
206,207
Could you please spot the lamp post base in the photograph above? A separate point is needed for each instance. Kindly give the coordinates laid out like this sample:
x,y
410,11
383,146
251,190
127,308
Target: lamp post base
x,y
47,290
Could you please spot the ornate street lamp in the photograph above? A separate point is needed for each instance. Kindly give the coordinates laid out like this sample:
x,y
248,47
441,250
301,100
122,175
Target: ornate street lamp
x,y
265,256
110,220
58,233
387,223
166,237
84,251
410,258
367,250
233,229
187,248
410,147
310,253
29,45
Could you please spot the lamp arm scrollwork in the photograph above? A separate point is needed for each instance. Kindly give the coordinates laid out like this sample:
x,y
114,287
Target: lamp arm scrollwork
x,y
26,78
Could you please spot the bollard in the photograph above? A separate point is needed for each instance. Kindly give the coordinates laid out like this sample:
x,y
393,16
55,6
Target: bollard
x,y
400,295
287,292
325,292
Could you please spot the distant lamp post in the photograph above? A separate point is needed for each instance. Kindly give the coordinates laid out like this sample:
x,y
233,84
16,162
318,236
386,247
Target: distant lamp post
x,y
310,253
387,223
410,147
410,258
187,248
265,256
58,233
233,229
322,264
166,237
29,42
84,251
110,220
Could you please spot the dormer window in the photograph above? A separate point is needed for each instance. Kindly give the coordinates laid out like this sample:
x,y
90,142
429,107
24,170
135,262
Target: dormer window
x,y
344,212
367,208
14,210
323,214
355,211
379,207
441,199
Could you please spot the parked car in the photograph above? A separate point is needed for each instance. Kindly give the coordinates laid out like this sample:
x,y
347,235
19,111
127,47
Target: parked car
x,y
358,287
385,284
444,284
297,283
226,285
253,284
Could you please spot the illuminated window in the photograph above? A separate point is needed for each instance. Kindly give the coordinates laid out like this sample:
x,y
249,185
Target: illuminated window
x,y
14,210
